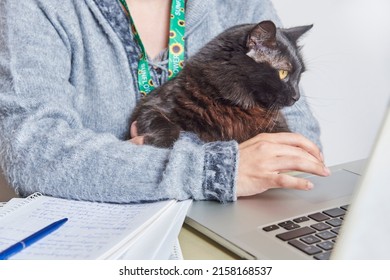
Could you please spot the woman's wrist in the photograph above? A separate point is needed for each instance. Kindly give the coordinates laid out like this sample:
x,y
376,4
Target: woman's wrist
x,y
220,171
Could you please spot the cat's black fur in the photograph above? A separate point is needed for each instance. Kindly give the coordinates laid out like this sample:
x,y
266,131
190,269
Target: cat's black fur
x,y
230,89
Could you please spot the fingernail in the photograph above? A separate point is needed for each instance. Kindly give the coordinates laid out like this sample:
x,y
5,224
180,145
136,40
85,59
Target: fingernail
x,y
309,186
322,157
326,171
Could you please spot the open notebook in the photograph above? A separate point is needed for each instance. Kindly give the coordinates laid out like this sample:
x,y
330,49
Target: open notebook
x,y
94,230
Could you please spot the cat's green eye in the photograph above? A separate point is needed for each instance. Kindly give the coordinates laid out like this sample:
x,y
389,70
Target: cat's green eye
x,y
283,74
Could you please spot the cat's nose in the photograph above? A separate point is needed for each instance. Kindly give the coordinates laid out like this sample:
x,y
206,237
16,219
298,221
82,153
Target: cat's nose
x,y
293,99
296,96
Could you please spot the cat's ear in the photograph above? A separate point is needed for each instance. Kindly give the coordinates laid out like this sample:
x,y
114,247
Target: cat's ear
x,y
264,34
294,33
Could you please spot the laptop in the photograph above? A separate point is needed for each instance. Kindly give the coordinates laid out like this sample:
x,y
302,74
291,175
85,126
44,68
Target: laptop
x,y
341,218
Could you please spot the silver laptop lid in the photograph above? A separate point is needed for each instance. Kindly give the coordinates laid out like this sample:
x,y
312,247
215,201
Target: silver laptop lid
x,y
365,231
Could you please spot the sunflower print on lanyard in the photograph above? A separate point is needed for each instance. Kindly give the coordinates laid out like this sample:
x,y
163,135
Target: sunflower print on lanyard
x,y
176,51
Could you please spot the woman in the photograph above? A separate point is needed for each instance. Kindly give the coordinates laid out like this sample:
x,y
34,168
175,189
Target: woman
x,y
68,85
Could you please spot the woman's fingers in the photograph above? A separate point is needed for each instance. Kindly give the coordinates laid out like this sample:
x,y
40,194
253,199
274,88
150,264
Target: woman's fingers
x,y
138,140
289,182
264,158
287,138
133,130
282,157
297,163
284,150
135,138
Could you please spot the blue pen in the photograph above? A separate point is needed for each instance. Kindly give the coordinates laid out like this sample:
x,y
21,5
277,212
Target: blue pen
x,y
10,251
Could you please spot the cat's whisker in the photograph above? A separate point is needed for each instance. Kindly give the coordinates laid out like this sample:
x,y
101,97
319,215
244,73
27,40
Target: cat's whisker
x,y
270,122
277,117
270,112
265,123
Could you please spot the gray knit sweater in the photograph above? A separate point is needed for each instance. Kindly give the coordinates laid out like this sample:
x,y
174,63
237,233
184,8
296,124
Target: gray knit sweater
x,y
68,87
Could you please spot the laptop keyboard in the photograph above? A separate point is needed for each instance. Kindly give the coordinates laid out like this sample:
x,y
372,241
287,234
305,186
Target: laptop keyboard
x,y
314,234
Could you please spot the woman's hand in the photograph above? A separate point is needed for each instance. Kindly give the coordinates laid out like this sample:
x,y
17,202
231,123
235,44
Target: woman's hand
x,y
264,158
134,138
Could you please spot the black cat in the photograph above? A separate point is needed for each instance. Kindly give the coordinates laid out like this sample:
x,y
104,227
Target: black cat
x,y
233,88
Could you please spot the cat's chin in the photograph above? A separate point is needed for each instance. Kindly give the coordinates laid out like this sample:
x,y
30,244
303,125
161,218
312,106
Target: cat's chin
x,y
290,102
287,103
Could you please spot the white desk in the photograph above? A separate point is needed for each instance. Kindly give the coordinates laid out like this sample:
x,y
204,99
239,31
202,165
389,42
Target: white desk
x,y
196,246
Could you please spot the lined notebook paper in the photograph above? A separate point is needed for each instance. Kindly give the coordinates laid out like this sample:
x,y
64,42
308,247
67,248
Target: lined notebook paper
x,y
93,231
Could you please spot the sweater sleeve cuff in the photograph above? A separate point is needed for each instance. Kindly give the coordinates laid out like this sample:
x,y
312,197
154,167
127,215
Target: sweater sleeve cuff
x,y
220,171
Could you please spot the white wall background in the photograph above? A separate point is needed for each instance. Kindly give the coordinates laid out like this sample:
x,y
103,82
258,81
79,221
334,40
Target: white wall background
x,y
347,82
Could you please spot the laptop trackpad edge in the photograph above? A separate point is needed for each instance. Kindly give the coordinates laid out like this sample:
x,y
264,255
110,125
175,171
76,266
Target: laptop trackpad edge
x,y
340,184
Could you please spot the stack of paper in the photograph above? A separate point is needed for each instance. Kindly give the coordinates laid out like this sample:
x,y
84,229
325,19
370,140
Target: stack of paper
x,y
93,230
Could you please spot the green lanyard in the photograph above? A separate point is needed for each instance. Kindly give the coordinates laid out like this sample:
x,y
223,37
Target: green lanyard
x,y
175,47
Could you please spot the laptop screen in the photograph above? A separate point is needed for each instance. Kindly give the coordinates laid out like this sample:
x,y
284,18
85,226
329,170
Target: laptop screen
x,y
365,232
